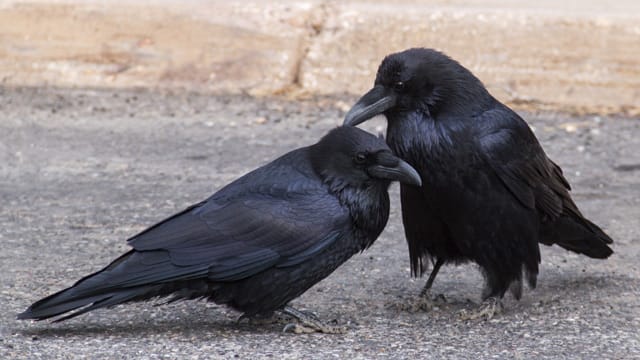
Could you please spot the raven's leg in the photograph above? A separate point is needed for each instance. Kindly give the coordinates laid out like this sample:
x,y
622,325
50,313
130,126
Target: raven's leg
x,y
309,323
426,290
425,301
488,309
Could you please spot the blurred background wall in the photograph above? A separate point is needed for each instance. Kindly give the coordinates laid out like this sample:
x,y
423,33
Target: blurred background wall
x,y
578,56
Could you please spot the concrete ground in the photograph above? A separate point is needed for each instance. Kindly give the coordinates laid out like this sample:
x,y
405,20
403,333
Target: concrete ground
x,y
80,171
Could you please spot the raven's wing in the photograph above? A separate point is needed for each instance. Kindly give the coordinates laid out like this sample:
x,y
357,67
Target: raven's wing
x,y
513,152
516,157
238,239
260,227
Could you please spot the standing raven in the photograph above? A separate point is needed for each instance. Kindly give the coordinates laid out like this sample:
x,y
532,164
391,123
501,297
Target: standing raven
x,y
260,241
489,192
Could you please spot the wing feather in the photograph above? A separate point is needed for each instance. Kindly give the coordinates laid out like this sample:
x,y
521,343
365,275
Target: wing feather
x,y
248,227
529,175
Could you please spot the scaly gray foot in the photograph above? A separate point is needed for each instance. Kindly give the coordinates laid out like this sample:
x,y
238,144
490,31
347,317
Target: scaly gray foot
x,y
487,310
267,319
309,323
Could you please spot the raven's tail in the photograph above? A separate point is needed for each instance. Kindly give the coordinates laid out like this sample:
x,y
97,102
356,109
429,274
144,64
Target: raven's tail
x,y
132,277
94,290
579,235
71,299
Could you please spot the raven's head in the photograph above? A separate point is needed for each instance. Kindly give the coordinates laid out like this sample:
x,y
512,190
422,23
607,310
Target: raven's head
x,y
422,80
348,156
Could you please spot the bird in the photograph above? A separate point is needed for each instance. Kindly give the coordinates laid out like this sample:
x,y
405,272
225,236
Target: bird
x,y
490,194
260,241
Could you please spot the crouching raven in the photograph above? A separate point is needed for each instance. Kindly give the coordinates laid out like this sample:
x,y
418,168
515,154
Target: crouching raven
x,y
260,241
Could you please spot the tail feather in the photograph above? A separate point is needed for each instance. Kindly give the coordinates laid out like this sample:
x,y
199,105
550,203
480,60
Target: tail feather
x,y
87,295
132,277
113,299
578,235
51,306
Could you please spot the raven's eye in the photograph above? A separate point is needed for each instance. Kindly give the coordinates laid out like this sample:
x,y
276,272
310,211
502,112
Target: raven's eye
x,y
399,86
360,158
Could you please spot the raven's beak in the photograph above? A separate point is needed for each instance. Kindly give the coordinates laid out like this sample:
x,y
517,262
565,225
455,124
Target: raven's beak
x,y
375,102
399,171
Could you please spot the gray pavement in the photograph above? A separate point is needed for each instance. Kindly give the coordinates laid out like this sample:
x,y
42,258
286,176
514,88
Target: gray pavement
x,y
80,171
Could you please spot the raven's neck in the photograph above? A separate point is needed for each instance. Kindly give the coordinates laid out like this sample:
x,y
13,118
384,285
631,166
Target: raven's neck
x,y
369,209
413,134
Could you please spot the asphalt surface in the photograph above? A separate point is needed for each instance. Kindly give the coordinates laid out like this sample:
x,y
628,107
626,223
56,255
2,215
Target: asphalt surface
x,y
81,171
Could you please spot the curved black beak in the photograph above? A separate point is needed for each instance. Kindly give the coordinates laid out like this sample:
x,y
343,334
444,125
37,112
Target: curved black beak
x,y
393,168
375,102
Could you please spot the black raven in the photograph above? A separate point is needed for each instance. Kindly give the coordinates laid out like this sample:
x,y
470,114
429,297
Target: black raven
x,y
260,241
489,192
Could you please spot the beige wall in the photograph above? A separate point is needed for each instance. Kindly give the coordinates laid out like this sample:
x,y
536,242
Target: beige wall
x,y
576,56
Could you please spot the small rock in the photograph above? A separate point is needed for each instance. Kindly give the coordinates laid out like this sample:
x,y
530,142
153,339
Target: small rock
x,y
342,106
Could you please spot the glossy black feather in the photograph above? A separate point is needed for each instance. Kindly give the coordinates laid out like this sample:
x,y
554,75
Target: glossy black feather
x,y
257,243
489,192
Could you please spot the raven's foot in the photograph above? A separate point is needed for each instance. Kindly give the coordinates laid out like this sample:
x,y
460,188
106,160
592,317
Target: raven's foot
x,y
267,319
487,310
422,303
309,323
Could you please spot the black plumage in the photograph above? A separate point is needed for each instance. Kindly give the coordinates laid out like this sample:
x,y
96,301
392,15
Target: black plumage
x,y
489,192
260,241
